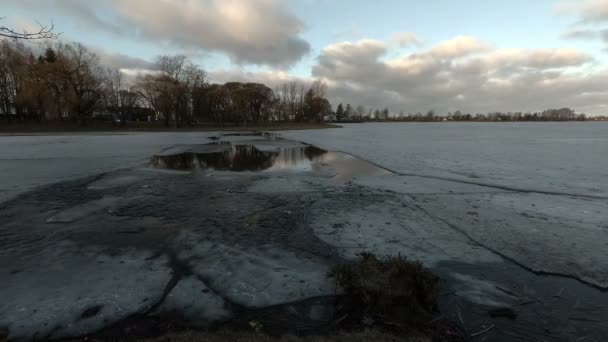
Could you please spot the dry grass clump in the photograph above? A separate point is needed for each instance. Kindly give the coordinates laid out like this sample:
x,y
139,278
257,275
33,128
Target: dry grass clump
x,y
396,295
392,287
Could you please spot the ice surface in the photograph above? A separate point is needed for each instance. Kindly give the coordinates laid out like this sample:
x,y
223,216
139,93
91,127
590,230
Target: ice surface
x,y
194,300
554,234
27,162
83,210
256,276
438,221
482,292
390,228
564,233
565,157
35,307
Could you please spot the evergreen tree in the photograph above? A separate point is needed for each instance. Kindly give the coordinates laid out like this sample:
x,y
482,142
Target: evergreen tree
x,y
348,112
50,56
340,112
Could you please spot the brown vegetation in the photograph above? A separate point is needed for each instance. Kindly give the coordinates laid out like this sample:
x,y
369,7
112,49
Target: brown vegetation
x,y
66,83
394,294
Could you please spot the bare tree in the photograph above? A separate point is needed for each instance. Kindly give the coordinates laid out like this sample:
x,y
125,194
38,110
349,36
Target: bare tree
x,y
176,91
118,97
42,32
83,76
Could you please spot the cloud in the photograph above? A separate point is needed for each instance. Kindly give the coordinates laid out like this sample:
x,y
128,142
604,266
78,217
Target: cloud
x,y
272,78
580,34
348,61
121,61
537,58
586,34
82,11
255,31
262,32
588,11
459,47
461,73
404,39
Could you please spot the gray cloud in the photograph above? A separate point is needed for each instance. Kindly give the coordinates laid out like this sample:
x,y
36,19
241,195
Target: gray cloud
x,y
261,32
461,73
121,61
85,15
580,34
588,11
587,34
255,32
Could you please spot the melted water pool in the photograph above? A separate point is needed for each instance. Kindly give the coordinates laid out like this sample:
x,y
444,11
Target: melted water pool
x,y
240,158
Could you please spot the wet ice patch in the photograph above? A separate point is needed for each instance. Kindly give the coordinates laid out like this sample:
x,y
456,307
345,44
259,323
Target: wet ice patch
x,y
541,232
113,181
83,210
285,185
164,171
255,277
240,158
482,292
194,300
64,303
421,185
392,228
268,156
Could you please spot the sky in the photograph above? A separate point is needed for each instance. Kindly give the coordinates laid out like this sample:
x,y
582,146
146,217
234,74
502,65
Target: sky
x,y
410,56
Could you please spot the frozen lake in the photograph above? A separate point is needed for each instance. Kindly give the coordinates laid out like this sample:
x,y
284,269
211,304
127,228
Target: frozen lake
x,y
29,161
560,157
509,215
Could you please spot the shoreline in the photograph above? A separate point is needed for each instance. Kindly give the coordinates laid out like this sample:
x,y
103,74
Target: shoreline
x,y
10,130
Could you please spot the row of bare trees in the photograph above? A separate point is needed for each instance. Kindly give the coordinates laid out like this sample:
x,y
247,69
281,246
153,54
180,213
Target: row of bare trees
x,y
179,93
62,82
66,82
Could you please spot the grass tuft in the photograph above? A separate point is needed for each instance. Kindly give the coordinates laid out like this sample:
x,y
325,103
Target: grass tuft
x,y
391,287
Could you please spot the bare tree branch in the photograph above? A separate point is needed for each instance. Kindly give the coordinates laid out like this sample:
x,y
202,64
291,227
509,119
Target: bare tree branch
x,y
43,32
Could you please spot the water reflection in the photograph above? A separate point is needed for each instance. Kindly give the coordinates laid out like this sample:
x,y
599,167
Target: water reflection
x,y
243,158
342,167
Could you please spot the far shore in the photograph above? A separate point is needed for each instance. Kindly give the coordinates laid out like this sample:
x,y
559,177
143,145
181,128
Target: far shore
x,y
17,128
132,127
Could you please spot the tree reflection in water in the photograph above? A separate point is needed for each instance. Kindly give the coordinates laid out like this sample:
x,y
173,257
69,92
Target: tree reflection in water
x,y
243,158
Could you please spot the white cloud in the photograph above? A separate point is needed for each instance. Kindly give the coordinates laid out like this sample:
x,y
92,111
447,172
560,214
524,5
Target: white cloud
x,y
271,78
255,31
459,47
460,73
260,32
537,58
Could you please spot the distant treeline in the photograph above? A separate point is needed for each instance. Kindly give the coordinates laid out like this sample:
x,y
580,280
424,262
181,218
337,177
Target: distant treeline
x,y
359,114
66,83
